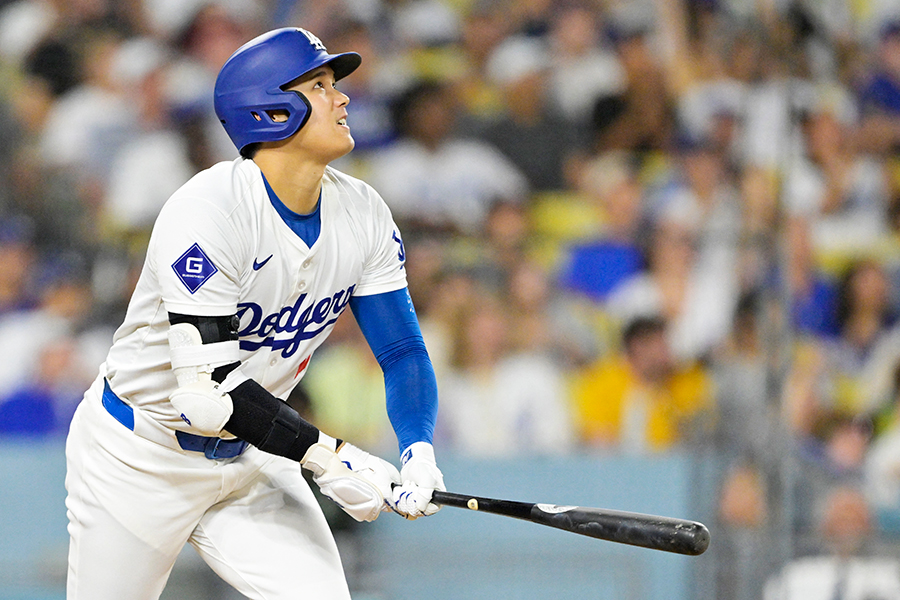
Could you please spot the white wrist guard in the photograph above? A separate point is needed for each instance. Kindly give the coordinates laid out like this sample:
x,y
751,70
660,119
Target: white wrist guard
x,y
360,498
198,398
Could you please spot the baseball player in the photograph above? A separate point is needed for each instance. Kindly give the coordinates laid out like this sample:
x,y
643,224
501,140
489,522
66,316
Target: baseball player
x,y
185,435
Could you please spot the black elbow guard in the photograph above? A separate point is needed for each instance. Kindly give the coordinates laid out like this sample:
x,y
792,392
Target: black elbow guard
x,y
263,420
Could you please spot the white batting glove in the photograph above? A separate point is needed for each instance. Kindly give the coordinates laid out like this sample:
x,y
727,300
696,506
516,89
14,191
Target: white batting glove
x,y
420,476
376,470
360,493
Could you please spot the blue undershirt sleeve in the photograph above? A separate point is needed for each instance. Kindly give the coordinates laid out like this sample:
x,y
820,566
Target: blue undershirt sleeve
x,y
389,323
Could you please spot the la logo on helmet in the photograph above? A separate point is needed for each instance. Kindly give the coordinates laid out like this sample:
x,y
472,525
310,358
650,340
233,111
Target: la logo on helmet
x,y
316,42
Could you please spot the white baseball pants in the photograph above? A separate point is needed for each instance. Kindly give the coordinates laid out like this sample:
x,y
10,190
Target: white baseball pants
x,y
133,503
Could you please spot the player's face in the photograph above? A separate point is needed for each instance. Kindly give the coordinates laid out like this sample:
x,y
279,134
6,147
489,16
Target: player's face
x,y
326,134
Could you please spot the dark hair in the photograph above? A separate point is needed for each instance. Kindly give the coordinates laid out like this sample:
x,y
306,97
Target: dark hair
x,y
404,105
56,63
846,302
641,327
250,150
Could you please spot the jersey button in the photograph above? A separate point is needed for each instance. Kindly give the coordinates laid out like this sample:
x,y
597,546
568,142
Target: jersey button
x,y
306,263
273,362
301,285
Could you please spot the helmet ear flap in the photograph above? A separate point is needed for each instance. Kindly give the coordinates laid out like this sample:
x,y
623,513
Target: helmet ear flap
x,y
298,111
306,110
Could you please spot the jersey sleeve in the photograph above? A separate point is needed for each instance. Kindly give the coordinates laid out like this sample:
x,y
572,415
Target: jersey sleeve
x,y
385,268
195,252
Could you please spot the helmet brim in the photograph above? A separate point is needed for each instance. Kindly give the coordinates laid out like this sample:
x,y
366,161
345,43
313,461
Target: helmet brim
x,y
344,64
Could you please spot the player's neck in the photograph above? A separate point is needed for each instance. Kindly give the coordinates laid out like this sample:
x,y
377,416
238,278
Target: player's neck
x,y
297,187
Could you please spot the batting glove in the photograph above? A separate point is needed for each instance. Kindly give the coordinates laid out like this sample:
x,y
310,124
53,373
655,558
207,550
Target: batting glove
x,y
376,470
420,476
358,484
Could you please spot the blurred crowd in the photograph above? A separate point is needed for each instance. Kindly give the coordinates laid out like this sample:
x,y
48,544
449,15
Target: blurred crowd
x,y
631,226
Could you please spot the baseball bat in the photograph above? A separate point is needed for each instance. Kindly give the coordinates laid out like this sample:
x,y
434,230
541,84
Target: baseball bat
x,y
647,531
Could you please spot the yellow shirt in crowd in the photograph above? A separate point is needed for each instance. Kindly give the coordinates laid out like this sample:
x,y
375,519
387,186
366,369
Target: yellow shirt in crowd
x,y
613,408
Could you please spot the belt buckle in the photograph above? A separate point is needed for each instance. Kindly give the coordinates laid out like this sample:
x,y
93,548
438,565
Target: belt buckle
x,y
228,448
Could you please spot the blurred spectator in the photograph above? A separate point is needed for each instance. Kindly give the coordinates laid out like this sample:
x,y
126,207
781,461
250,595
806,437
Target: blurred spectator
x,y
578,54
864,306
545,321
595,266
530,132
23,24
758,248
148,168
431,178
203,40
17,255
425,23
87,124
712,103
485,25
496,401
832,453
842,567
503,245
813,292
841,194
531,18
44,404
504,260
53,347
742,374
743,540
699,184
640,399
640,119
775,89
695,292
879,95
865,317
451,291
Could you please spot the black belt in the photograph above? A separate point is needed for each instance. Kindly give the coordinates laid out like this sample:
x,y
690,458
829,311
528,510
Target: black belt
x,y
211,447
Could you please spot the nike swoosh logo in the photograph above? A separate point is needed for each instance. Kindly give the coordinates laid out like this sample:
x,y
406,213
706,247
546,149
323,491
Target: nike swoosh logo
x,y
259,265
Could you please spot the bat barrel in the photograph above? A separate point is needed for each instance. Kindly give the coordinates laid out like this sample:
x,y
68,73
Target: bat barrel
x,y
648,531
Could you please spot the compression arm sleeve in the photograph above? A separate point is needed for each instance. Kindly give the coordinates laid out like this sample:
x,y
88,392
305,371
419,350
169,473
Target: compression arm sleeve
x,y
389,323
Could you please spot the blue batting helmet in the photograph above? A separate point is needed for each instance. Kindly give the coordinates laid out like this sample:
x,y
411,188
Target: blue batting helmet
x,y
250,84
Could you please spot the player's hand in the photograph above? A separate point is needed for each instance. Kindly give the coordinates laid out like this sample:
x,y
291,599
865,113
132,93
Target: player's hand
x,y
376,470
420,476
357,494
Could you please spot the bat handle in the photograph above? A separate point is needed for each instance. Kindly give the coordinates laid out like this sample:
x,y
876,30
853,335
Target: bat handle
x,y
451,499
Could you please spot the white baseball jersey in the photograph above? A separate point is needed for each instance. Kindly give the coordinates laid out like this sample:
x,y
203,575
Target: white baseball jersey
x,y
220,248
135,497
